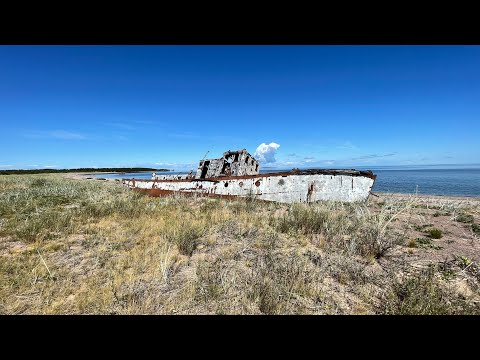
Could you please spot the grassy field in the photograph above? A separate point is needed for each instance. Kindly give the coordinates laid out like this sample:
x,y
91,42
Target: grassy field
x,y
91,247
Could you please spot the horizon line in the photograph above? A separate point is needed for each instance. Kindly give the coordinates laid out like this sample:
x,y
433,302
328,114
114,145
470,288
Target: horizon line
x,y
265,167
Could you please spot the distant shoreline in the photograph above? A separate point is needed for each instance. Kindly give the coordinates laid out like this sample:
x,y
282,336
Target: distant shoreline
x,y
113,172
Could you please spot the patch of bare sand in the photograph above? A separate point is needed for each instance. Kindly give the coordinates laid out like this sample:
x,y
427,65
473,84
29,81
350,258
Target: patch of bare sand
x,y
458,239
84,176
10,246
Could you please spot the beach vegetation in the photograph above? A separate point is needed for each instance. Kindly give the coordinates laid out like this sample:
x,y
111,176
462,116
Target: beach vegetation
x,y
435,233
70,246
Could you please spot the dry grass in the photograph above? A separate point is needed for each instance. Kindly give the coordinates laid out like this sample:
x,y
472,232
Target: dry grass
x,y
424,293
75,246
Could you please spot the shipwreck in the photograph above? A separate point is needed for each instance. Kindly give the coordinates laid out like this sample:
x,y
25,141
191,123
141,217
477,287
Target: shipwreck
x,y
237,174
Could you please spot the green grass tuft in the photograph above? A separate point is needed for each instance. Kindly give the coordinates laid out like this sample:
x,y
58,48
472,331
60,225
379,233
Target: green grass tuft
x,y
435,233
476,229
464,218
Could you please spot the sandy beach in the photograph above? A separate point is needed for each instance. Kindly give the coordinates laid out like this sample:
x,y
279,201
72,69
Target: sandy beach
x,y
88,176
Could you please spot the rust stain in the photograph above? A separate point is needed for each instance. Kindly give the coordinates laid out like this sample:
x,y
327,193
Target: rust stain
x,y
163,193
311,192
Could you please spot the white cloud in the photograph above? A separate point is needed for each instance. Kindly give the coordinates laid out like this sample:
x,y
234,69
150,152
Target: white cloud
x,y
266,153
149,122
43,166
185,135
120,125
62,134
373,156
179,166
348,146
119,137
56,134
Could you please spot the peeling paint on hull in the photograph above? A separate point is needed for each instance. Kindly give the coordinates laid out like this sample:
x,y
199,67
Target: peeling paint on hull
x,y
288,187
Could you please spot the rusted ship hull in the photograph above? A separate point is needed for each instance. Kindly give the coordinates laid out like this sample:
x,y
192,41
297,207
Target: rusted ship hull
x,y
283,187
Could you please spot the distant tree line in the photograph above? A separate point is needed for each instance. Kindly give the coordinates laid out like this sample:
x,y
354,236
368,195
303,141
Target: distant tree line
x,y
49,171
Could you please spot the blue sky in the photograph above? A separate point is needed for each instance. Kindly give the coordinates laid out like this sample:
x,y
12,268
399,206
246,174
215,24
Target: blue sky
x,y
166,106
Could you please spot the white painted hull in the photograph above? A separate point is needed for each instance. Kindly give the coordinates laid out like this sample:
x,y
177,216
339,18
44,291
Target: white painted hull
x,y
347,186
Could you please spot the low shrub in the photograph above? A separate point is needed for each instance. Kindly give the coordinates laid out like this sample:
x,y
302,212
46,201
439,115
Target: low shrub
x,y
435,233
